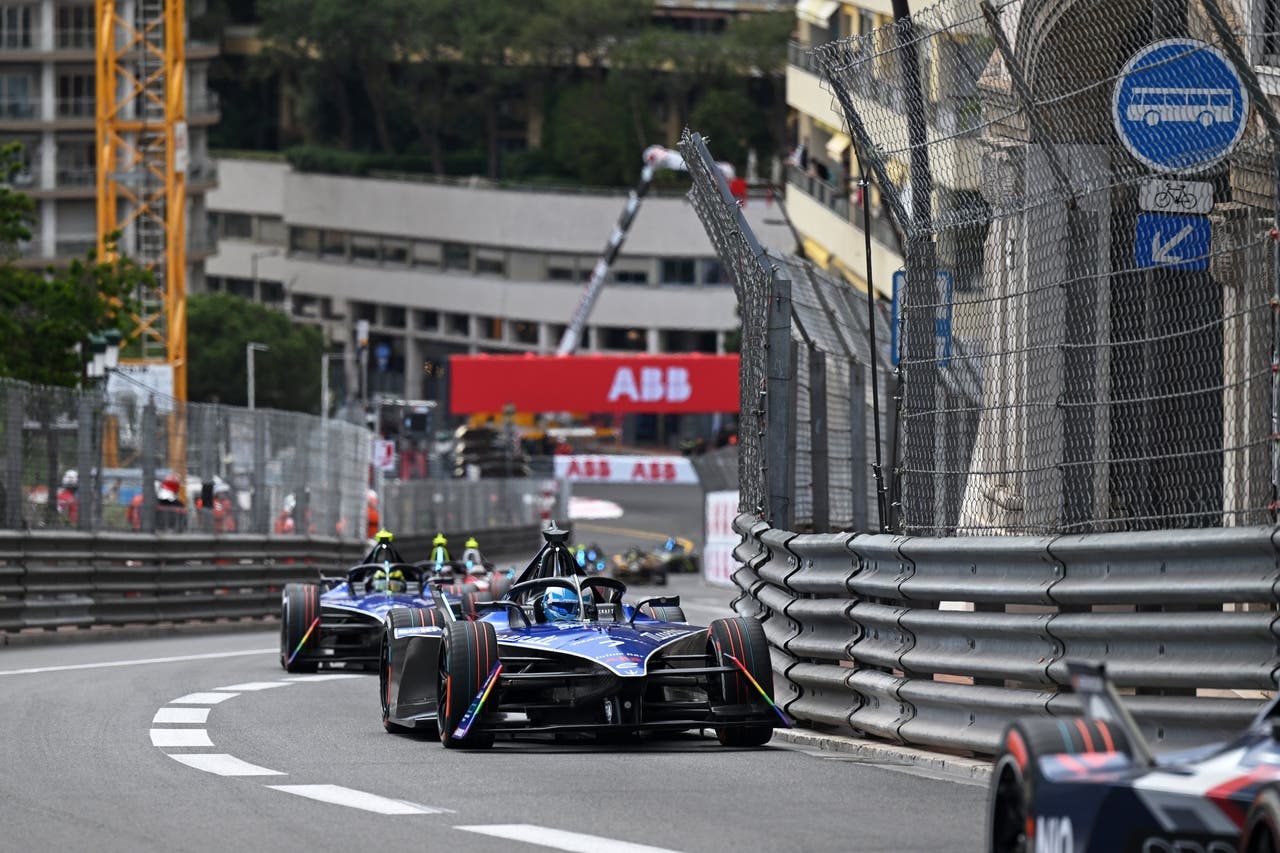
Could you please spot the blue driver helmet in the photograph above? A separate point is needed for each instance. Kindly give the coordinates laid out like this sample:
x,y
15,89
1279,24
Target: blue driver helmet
x,y
561,605
670,544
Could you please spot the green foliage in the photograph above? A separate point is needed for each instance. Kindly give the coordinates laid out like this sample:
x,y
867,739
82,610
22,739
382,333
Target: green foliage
x,y
45,314
287,376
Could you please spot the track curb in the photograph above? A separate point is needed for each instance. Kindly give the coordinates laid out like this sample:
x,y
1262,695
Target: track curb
x,y
875,752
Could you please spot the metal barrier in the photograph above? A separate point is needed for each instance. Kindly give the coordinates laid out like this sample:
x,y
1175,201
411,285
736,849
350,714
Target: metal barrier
x,y
55,580
942,642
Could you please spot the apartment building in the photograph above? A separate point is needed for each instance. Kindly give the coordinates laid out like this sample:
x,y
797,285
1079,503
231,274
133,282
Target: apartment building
x,y
48,103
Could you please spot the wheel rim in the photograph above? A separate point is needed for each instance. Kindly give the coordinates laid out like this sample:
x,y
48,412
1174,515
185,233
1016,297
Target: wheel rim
x,y
1009,813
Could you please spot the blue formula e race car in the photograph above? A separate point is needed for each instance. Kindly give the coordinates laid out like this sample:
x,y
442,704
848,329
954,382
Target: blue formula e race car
x,y
1090,784
339,621
562,652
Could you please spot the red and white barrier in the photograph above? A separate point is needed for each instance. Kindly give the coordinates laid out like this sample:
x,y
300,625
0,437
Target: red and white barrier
x,y
718,562
663,470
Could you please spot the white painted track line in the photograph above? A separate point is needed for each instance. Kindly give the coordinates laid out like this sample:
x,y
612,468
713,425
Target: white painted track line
x,y
222,764
340,796
575,842
254,685
143,662
180,737
328,676
202,698
181,715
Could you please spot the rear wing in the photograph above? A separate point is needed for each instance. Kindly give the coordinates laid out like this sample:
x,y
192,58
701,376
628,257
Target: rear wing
x,y
1100,701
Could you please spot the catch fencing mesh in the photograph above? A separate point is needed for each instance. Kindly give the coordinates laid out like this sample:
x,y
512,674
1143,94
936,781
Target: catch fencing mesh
x,y
1086,322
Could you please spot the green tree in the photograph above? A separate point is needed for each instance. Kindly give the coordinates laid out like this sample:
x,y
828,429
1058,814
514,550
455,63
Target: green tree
x,y
287,376
46,316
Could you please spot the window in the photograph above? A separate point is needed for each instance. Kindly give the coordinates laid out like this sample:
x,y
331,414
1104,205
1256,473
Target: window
x,y
612,337
426,255
457,256
334,245
16,90
688,340
458,324
29,157
712,272
364,249
76,94
427,321
241,287
393,316
272,291
1271,33
235,226
77,161
561,274
304,241
395,252
491,262
678,271
365,311
631,277
74,28
271,230
489,328
524,332
17,25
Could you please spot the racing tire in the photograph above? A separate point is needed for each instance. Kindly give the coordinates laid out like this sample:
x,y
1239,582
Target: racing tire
x,y
399,617
1262,825
1016,773
469,608
663,614
468,653
742,637
299,609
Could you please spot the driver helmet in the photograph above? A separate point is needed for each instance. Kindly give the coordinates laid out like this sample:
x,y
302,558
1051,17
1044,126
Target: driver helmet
x,y
380,580
561,605
670,543
395,580
580,554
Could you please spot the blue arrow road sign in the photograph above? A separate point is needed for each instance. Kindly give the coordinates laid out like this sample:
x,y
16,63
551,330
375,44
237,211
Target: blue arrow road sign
x,y
1179,105
941,321
1177,242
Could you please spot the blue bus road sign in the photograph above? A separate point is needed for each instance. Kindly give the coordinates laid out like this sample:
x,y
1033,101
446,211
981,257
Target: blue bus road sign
x,y
1176,242
1179,105
941,324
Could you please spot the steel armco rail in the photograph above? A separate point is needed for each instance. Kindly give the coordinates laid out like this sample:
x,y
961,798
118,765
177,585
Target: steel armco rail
x,y
56,580
941,642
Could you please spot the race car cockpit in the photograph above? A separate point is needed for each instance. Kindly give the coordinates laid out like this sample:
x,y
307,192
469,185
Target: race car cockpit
x,y
383,551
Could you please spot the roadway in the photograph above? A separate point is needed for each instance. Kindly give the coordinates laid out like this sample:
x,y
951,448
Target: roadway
x,y
203,743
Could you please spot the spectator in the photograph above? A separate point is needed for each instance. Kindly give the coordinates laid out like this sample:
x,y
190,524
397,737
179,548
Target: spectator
x,y
68,499
171,510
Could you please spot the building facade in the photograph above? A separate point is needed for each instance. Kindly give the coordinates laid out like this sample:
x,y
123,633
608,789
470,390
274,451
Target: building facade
x,y
441,268
48,103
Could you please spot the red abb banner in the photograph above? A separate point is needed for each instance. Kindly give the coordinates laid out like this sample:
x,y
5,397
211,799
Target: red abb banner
x,y
594,383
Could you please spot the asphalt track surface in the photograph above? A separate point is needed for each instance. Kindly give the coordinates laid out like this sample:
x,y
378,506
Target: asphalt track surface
x,y
199,743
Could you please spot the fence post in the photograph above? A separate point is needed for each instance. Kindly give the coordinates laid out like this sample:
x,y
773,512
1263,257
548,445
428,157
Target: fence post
x,y
781,415
87,493
148,451
11,497
261,501
819,451
858,445
205,512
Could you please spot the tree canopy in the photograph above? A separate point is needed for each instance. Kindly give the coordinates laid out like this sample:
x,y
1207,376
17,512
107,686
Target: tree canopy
x,y
449,85
47,316
286,376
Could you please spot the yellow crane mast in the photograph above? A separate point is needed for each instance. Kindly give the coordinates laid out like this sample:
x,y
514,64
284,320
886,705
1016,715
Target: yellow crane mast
x,y
142,164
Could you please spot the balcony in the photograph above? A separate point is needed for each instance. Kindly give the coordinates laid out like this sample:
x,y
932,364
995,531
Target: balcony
x,y
81,107
18,110
74,38
838,203
70,177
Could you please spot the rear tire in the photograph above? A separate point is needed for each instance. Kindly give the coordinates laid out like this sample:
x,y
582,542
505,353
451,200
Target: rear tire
x,y
743,638
399,617
468,608
1016,773
1262,826
468,654
499,583
299,608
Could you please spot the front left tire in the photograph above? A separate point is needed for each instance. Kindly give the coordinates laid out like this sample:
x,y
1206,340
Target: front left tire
x,y
299,610
468,653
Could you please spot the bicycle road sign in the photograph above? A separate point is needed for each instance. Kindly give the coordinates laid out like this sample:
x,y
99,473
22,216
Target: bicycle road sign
x,y
1163,195
1179,105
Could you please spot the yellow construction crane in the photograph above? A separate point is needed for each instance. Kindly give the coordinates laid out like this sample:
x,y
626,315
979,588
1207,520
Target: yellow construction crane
x,y
142,164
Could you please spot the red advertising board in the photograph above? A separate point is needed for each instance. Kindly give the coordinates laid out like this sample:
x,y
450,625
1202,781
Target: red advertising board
x,y
594,383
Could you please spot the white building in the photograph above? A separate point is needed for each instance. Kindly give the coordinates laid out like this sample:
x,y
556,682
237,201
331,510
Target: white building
x,y
454,266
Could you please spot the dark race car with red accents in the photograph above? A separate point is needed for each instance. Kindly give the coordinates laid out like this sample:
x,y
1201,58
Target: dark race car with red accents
x,y
1091,784
563,652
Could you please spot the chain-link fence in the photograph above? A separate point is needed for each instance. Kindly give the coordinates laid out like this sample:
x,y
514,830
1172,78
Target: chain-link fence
x,y
138,462
1087,199
808,401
